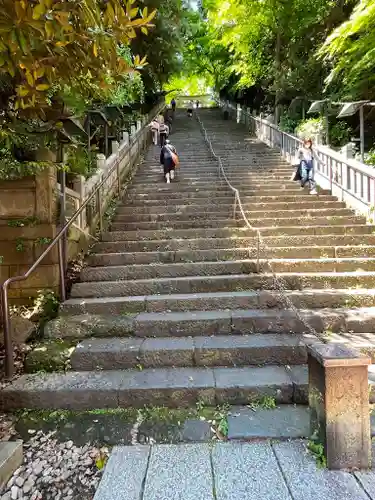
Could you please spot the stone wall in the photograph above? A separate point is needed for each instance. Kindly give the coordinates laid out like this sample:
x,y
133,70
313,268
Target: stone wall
x,y
27,224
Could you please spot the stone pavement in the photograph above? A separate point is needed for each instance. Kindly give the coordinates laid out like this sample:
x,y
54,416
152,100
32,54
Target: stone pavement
x,y
259,470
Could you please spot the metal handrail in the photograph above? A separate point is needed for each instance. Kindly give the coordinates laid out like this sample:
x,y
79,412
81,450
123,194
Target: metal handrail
x,y
58,239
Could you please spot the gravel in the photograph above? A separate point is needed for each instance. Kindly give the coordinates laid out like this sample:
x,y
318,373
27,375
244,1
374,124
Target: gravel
x,y
55,470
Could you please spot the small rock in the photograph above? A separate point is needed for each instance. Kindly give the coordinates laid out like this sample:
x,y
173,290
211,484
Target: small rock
x,y
38,468
48,471
69,444
6,496
20,481
27,487
14,492
11,482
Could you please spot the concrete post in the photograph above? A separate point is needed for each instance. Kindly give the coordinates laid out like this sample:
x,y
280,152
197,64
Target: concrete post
x,y
115,146
238,118
339,404
132,131
125,138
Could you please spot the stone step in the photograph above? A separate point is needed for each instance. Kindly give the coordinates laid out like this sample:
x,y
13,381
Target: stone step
x,y
209,193
228,205
345,229
153,175
168,234
119,353
262,223
178,225
186,184
250,321
255,299
171,387
216,268
225,199
223,283
331,246
223,254
220,213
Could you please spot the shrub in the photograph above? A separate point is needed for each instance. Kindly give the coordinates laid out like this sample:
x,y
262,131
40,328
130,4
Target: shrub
x,y
310,128
340,134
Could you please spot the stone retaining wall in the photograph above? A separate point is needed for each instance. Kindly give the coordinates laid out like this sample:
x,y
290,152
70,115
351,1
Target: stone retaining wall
x,y
27,224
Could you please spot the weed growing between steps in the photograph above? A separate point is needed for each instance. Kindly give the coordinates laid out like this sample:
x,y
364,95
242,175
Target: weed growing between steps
x,y
116,426
50,356
264,403
317,450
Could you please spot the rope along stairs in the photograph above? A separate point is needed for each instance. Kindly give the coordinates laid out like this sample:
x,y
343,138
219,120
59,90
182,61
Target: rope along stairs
x,y
204,289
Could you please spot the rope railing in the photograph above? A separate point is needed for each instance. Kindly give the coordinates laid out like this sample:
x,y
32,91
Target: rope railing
x,y
278,282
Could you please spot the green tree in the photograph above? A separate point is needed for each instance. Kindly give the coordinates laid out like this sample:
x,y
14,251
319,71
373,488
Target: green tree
x,y
350,52
47,42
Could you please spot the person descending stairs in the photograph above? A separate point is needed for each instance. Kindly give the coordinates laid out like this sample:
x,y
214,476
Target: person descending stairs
x,y
172,308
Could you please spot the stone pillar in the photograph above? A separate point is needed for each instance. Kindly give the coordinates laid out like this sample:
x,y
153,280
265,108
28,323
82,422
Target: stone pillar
x,y
132,130
125,138
115,147
238,117
139,125
339,404
101,161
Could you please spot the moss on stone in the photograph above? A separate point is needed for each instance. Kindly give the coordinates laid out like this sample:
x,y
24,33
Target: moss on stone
x,y
49,356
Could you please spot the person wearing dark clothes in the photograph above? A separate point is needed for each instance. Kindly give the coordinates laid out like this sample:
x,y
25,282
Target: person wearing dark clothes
x,y
197,104
163,133
173,104
167,161
168,121
190,109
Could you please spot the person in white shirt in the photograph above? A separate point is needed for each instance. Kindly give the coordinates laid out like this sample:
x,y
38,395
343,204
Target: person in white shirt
x,y
305,155
190,108
154,125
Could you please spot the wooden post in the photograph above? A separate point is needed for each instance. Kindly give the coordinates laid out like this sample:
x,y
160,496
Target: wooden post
x,y
339,404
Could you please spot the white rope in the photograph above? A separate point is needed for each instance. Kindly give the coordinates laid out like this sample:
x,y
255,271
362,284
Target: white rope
x,y
278,282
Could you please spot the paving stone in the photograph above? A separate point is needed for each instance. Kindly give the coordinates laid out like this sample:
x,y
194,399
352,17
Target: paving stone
x,y
283,422
11,455
71,390
179,472
243,385
245,471
367,478
300,379
307,482
106,354
196,430
167,352
249,350
124,473
181,387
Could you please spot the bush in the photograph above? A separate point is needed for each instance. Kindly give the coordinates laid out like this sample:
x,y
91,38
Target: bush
x,y
370,157
288,124
340,134
80,161
310,128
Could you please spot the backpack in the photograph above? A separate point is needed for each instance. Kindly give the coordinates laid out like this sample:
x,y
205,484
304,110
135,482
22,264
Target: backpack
x,y
175,158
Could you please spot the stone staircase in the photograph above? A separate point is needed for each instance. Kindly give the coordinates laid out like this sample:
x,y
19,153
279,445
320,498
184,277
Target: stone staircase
x,y
171,310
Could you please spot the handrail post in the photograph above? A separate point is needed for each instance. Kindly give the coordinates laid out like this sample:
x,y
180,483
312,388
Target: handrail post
x,y
8,343
61,270
118,179
100,210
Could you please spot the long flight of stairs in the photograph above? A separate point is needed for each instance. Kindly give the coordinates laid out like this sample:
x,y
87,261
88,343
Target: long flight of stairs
x,y
171,310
